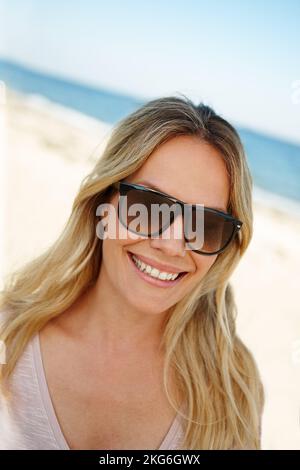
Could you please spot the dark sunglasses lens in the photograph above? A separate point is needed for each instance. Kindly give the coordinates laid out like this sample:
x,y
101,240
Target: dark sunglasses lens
x,y
140,213
217,232
135,212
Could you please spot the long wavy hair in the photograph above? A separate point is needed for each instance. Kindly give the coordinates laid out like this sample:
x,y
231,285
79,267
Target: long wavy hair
x,y
215,372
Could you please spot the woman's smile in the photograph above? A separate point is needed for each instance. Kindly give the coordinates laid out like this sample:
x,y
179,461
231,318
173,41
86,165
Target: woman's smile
x,y
152,275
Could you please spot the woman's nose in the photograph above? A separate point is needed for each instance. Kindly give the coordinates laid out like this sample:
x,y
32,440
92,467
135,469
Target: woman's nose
x,y
171,241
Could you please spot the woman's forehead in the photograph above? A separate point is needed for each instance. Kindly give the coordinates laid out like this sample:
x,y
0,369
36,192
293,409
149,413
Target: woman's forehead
x,y
188,169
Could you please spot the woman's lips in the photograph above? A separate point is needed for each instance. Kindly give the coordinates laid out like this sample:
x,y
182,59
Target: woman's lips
x,y
152,280
162,267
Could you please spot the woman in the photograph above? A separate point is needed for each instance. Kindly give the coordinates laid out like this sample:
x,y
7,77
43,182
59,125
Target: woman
x,y
129,342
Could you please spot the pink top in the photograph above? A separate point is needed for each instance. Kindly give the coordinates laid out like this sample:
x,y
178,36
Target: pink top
x,y
30,423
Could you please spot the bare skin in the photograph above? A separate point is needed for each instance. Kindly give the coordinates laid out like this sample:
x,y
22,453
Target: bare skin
x,y
101,356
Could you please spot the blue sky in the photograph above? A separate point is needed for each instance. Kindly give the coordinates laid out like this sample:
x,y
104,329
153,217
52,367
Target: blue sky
x,y
242,57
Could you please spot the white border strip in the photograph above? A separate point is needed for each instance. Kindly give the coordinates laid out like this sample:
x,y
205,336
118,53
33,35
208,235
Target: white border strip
x,y
3,174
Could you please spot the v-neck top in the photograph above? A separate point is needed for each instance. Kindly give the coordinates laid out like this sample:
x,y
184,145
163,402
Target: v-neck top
x,y
29,422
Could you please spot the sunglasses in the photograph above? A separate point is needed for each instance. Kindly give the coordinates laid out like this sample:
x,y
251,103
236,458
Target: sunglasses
x,y
218,228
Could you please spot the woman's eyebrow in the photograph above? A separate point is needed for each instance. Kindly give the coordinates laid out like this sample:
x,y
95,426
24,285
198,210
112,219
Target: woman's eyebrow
x,y
152,186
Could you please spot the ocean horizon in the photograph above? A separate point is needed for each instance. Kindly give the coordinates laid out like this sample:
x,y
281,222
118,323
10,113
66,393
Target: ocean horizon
x,y
274,163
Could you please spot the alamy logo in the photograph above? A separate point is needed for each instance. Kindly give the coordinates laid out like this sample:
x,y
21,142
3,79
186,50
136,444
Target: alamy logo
x,y
139,221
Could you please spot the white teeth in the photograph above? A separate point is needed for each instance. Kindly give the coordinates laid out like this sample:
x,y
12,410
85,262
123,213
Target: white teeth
x,y
154,272
162,276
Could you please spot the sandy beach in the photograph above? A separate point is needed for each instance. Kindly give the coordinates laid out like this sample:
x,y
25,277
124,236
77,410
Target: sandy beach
x,y
47,150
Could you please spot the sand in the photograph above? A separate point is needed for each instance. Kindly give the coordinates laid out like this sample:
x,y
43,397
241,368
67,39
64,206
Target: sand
x,y
46,152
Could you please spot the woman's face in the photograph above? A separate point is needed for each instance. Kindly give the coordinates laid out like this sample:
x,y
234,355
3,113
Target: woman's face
x,y
191,170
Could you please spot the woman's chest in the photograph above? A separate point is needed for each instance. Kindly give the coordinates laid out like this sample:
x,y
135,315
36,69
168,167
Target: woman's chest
x,y
98,405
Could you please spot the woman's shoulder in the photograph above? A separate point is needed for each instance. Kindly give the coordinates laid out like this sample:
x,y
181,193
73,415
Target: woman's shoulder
x,y
25,358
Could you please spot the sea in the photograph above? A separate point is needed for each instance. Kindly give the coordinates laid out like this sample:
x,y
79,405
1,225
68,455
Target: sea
x,y
274,163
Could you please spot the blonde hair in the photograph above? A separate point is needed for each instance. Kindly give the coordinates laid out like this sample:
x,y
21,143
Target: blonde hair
x,y
214,370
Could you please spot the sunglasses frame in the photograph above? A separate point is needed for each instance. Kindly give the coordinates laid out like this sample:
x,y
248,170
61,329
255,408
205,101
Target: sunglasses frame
x,y
123,187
